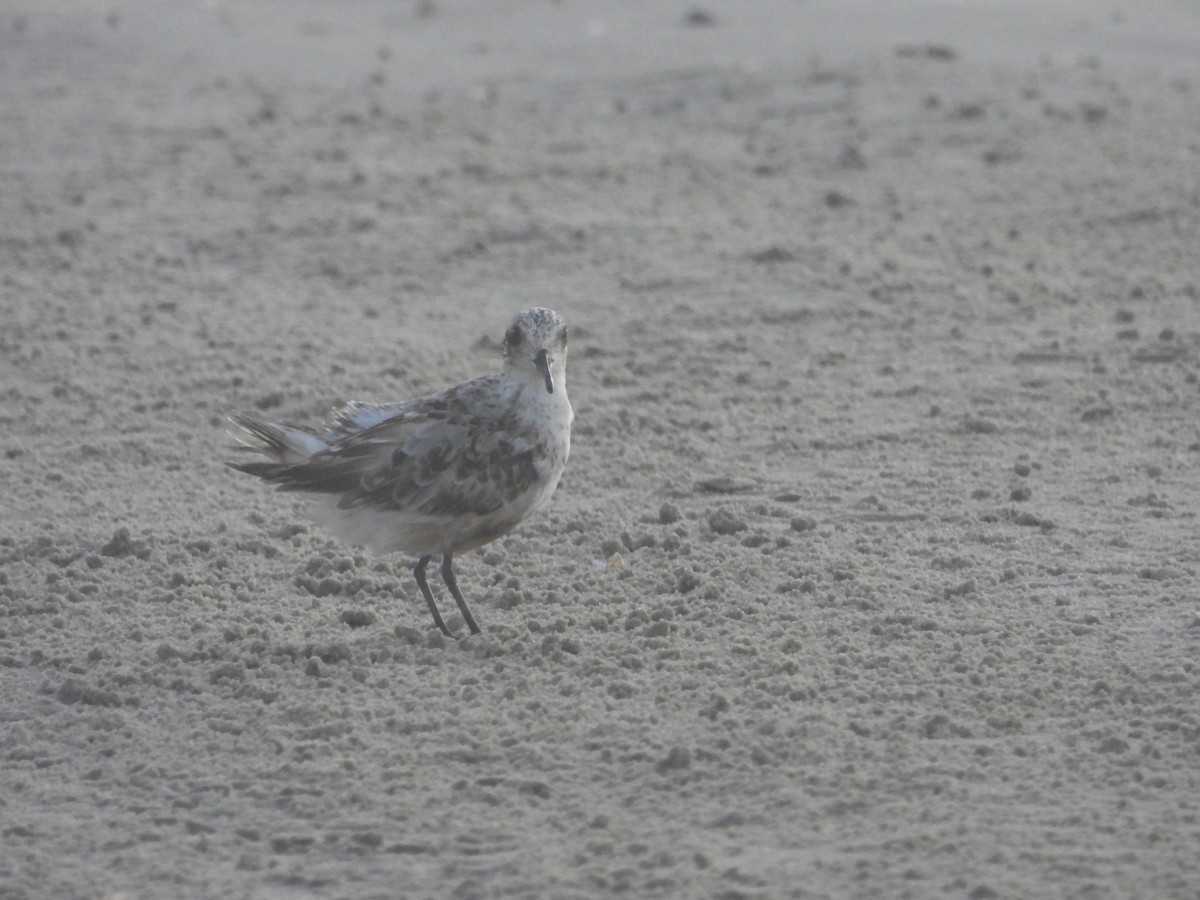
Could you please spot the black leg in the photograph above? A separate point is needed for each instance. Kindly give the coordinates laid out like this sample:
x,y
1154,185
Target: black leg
x,y
448,577
419,572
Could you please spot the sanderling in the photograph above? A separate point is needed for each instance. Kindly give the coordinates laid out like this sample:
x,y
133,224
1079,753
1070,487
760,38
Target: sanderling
x,y
439,474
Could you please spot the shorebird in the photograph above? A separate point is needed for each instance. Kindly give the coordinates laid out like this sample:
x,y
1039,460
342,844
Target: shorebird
x,y
441,474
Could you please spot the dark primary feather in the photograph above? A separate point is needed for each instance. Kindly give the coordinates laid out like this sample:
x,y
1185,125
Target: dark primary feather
x,y
271,438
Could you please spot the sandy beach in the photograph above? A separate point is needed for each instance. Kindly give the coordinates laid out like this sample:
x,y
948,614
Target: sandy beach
x,y
874,571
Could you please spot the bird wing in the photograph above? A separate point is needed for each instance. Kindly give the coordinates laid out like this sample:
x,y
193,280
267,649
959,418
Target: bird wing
x,y
459,452
355,417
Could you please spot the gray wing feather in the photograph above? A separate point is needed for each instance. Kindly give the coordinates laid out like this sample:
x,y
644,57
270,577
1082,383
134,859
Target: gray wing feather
x,y
450,454
355,417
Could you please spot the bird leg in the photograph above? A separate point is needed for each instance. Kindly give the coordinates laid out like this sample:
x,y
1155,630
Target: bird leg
x,y
419,573
448,577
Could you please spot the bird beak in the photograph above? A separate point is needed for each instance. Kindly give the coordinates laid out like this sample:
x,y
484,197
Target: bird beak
x,y
542,363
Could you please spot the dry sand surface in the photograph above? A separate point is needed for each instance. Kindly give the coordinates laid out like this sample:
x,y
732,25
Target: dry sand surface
x,y
874,571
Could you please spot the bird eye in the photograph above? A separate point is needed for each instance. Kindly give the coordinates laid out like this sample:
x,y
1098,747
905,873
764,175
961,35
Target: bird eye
x,y
512,337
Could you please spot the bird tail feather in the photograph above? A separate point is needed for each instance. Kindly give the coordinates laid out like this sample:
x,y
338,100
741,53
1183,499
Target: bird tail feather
x,y
283,445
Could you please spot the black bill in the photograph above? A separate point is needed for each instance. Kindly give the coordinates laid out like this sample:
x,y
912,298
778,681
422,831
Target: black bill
x,y
543,366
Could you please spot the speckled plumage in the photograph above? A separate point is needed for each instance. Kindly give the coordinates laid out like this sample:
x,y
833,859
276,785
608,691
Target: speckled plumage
x,y
445,473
